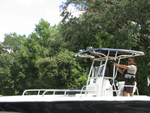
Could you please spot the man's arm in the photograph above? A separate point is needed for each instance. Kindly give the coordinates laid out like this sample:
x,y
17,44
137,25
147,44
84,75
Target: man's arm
x,y
120,70
122,66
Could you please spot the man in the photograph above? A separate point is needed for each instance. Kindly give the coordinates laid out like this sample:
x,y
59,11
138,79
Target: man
x,y
129,72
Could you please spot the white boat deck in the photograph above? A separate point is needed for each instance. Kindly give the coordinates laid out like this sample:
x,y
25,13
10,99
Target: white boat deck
x,y
55,98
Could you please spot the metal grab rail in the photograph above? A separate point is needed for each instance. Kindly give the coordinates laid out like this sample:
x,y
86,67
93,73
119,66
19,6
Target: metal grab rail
x,y
50,90
33,90
75,91
61,90
128,86
81,91
64,91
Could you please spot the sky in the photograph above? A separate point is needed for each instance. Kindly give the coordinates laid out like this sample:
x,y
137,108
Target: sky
x,y
20,16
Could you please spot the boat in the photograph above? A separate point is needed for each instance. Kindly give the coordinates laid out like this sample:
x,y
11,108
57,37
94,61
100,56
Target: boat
x,y
101,94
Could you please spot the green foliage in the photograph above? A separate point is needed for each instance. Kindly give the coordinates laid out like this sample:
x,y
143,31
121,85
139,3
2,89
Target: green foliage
x,y
46,59
60,71
127,21
104,39
141,76
79,33
13,41
122,24
6,84
38,61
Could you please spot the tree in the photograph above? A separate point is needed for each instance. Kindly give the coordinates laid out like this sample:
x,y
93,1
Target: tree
x,y
79,34
10,48
48,37
13,41
56,65
126,21
61,71
6,83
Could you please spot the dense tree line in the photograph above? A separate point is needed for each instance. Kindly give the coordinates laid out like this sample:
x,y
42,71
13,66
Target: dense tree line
x,y
46,58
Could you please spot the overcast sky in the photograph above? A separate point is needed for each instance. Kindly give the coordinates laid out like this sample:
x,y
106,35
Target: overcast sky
x,y
20,16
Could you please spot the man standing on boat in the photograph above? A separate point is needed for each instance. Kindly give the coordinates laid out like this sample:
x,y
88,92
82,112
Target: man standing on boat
x,y
129,72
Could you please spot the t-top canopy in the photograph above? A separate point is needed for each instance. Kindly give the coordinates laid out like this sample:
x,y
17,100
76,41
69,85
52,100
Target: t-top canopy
x,y
103,53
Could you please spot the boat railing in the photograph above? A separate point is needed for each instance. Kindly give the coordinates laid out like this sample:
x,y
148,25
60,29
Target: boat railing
x,y
65,92
54,91
69,92
83,87
121,87
34,90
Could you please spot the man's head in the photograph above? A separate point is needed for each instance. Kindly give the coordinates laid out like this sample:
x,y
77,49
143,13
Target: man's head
x,y
130,61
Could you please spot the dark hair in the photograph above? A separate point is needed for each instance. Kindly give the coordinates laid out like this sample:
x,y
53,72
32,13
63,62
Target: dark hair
x,y
131,58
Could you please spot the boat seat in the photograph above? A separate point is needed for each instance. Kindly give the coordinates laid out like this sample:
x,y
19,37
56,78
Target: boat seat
x,y
92,89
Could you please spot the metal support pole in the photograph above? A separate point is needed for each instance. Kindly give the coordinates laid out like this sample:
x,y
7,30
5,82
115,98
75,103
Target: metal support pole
x,y
103,73
90,72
